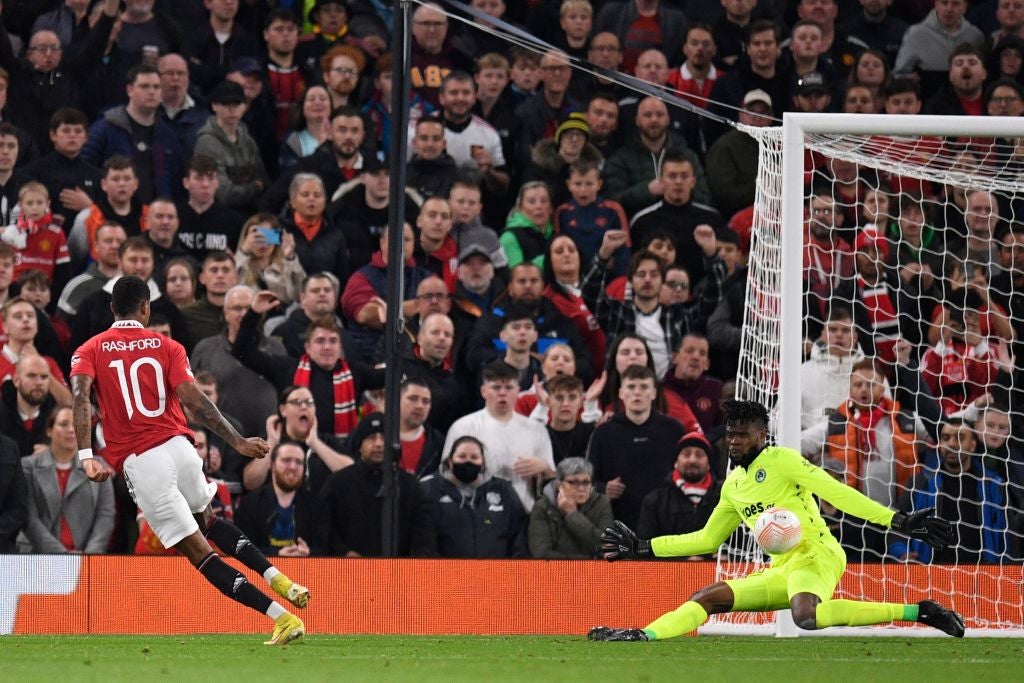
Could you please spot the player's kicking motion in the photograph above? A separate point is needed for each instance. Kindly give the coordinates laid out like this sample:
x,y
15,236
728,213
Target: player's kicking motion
x,y
141,380
802,579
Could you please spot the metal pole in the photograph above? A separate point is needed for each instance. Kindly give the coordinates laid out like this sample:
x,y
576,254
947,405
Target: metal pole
x,y
393,329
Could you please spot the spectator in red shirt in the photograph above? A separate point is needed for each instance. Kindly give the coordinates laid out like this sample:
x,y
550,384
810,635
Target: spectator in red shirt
x,y
697,74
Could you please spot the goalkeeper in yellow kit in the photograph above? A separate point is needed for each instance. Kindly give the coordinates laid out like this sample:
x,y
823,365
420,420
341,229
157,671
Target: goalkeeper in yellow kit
x,y
802,579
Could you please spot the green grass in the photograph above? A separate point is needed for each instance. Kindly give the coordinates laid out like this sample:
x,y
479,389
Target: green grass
x,y
226,659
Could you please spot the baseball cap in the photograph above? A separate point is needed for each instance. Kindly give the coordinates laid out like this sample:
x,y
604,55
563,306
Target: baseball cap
x,y
227,92
757,95
372,163
472,249
246,66
810,83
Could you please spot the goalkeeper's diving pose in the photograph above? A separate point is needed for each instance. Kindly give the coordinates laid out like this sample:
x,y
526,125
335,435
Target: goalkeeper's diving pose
x,y
802,579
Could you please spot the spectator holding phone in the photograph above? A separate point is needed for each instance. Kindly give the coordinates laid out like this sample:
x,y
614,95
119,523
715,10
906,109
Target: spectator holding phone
x,y
266,258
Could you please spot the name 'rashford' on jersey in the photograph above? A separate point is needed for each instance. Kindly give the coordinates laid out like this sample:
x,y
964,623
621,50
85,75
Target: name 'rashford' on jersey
x,y
135,373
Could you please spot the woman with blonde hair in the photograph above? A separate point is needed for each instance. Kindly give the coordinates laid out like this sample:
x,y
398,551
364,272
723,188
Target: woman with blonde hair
x,y
266,259
529,228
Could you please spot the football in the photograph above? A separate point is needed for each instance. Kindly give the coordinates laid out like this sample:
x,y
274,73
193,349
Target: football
x,y
777,531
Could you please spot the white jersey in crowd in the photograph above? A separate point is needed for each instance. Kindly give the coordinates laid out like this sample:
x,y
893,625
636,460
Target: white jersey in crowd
x,y
504,443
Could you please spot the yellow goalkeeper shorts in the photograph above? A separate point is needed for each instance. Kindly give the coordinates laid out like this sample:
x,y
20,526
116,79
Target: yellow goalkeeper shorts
x,y
811,568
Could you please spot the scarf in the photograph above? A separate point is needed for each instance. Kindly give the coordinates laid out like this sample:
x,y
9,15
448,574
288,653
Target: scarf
x,y
866,420
694,490
309,229
345,416
26,224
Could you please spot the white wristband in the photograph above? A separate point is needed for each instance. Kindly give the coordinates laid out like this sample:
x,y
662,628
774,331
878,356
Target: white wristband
x,y
85,454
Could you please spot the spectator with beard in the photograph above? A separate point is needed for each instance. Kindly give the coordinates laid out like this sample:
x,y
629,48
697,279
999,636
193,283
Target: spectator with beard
x,y
336,161
434,54
965,493
962,94
26,401
283,517
684,502
602,115
476,514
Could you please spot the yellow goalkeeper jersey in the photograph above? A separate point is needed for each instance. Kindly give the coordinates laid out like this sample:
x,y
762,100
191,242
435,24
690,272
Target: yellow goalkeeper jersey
x,y
778,477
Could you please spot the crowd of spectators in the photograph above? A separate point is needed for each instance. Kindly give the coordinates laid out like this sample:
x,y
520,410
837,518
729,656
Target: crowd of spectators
x,y
575,263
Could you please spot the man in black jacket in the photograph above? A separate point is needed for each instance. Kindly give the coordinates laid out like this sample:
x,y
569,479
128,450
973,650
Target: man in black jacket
x,y
355,508
282,517
683,503
25,403
13,495
71,180
632,451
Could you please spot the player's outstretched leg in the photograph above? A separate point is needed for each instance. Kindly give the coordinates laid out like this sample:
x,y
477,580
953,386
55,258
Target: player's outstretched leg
x,y
714,599
853,613
231,582
230,539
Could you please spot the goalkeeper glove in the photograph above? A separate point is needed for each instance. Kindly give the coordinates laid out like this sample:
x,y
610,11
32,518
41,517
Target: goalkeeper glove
x,y
618,541
925,526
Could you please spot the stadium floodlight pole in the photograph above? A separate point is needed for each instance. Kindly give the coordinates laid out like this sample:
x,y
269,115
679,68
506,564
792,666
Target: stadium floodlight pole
x,y
394,325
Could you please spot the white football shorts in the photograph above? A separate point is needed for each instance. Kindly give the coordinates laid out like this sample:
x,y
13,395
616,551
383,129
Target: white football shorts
x,y
168,485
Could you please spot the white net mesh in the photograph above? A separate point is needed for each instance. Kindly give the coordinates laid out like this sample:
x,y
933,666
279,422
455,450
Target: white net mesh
x,y
912,316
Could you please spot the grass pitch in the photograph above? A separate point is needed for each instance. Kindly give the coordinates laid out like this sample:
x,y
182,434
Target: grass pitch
x,y
226,659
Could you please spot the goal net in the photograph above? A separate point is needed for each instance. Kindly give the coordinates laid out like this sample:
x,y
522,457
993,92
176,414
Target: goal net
x,y
883,324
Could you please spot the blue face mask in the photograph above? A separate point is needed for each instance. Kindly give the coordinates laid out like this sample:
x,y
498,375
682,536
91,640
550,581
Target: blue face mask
x,y
466,472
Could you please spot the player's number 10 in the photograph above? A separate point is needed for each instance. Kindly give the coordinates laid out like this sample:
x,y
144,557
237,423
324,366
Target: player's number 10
x,y
134,396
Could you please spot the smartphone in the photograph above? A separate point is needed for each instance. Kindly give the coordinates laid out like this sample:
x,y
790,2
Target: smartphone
x,y
271,235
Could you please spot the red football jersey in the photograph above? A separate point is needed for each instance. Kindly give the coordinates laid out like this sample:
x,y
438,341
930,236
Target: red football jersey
x,y
44,250
135,373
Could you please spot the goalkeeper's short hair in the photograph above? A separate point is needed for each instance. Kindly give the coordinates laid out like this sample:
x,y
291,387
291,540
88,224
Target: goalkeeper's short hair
x,y
745,411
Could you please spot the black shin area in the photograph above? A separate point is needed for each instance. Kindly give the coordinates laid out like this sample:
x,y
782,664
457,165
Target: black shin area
x,y
232,583
230,539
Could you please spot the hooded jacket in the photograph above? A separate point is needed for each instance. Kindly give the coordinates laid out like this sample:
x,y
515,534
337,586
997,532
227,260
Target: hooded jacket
x,y
11,425
239,165
355,513
484,519
548,165
926,46
826,382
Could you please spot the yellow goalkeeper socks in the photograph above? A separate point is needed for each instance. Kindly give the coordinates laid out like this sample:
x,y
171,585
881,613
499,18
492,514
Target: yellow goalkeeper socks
x,y
853,613
685,618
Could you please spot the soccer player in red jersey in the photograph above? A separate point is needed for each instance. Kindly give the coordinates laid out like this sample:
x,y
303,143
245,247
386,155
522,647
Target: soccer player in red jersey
x,y
141,380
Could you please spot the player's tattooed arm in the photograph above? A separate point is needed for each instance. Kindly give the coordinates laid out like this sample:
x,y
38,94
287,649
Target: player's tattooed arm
x,y
206,413
81,409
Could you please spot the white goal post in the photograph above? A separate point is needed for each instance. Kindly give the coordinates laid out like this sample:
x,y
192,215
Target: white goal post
x,y
773,346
